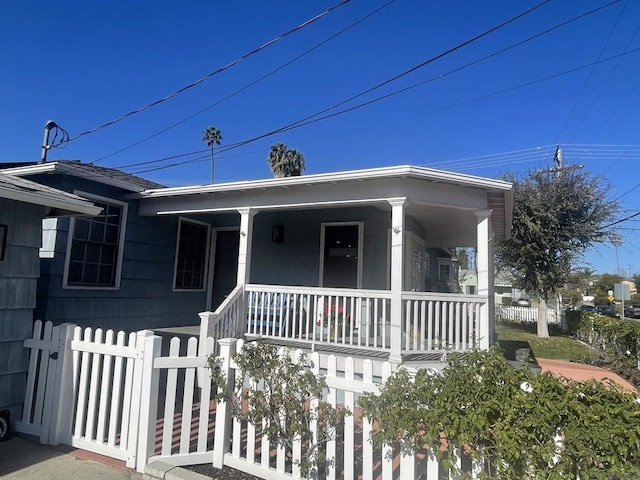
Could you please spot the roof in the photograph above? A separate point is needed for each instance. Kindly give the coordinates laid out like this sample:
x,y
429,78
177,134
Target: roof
x,y
434,197
106,175
440,176
60,203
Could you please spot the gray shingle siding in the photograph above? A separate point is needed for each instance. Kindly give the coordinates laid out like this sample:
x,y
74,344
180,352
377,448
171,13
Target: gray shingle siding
x,y
145,298
18,279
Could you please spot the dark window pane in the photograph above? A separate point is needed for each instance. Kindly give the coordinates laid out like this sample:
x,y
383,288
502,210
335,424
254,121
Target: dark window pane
x,y
97,232
111,235
94,247
107,256
93,253
77,252
81,229
105,275
192,256
75,272
90,275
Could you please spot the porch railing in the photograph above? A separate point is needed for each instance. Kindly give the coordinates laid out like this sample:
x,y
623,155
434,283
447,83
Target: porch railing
x,y
441,321
226,321
357,318
429,322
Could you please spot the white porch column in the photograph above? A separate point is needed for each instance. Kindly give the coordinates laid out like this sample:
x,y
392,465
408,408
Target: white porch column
x,y
485,277
397,275
244,253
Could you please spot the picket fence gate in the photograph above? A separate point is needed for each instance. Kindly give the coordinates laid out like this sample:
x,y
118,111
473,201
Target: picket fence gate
x,y
123,396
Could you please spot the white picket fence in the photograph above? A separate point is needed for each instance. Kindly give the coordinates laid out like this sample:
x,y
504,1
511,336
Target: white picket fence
x,y
117,395
524,314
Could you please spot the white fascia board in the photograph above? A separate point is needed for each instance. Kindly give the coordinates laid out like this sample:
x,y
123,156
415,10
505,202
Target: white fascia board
x,y
289,206
71,169
355,175
70,205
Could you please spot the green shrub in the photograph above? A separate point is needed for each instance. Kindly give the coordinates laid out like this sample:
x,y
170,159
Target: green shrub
x,y
617,338
509,420
287,403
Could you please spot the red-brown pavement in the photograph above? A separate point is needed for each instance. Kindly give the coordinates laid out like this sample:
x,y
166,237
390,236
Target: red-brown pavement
x,y
582,372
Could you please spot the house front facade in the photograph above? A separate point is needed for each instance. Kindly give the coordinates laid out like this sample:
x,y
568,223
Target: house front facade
x,y
350,259
357,258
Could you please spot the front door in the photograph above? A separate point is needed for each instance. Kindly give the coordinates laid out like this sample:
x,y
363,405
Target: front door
x,y
341,256
225,267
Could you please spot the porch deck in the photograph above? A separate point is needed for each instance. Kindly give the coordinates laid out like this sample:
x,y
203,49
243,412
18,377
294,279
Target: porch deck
x,y
352,322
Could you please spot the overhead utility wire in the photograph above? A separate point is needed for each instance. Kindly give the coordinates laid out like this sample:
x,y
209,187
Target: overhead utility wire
x,y
310,119
249,85
220,70
622,220
586,82
533,82
305,120
483,97
604,85
386,82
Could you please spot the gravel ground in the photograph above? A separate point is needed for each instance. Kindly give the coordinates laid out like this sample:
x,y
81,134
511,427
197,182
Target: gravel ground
x,y
226,473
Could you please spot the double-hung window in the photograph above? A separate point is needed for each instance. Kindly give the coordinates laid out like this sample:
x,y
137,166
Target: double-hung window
x,y
94,252
191,255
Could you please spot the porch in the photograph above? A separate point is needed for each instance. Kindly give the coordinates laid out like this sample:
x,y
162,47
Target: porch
x,y
354,322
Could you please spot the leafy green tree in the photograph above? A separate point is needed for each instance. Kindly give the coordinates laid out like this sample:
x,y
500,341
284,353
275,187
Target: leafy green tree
x,y
556,217
285,162
512,422
287,401
212,136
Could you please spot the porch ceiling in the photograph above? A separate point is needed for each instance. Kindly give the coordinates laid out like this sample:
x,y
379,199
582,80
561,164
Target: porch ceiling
x,y
443,202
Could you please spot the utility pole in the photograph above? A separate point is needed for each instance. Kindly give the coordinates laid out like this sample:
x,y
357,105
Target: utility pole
x,y
45,143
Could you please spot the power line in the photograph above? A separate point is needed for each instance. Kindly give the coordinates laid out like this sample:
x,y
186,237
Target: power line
x,y
249,85
483,97
310,118
622,220
300,122
584,85
306,120
209,75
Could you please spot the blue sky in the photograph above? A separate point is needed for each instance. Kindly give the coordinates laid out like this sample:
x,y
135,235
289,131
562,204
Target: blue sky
x,y
83,64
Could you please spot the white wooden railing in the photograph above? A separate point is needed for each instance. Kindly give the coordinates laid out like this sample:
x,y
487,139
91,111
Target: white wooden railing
x,y
357,318
361,319
227,321
441,321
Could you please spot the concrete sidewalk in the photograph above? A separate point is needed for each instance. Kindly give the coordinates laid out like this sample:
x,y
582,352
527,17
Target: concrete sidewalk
x,y
24,459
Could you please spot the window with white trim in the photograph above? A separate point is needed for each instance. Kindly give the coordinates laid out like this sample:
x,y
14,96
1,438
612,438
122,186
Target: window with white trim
x,y
95,248
192,252
445,272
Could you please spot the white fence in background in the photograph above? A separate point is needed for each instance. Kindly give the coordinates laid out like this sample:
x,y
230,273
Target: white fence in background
x,y
123,396
524,314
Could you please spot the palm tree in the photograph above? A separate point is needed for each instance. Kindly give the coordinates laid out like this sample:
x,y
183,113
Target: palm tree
x,y
212,136
285,163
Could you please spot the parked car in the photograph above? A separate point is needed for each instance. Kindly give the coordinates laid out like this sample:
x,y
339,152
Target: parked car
x,y
587,308
606,310
632,311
